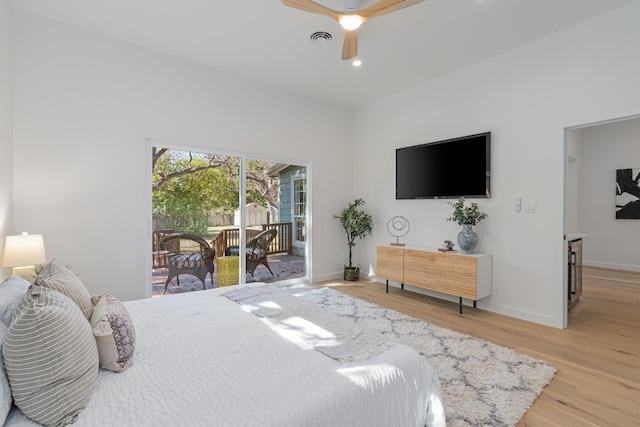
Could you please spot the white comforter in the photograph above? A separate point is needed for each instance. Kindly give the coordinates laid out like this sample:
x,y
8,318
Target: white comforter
x,y
202,360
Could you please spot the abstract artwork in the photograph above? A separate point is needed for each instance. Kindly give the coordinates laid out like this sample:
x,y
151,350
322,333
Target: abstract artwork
x,y
628,193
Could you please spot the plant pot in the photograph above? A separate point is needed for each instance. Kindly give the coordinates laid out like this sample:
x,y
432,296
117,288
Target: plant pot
x,y
351,274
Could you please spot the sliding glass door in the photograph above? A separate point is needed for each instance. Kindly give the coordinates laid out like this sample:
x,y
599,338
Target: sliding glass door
x,y
234,203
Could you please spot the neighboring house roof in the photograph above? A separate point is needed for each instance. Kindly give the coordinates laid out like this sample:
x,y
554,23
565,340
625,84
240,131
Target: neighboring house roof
x,y
278,168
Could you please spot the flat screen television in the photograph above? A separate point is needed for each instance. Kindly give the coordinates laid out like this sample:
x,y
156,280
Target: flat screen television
x,y
458,167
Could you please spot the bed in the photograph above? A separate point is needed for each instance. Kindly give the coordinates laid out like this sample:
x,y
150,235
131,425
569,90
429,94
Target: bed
x,y
210,359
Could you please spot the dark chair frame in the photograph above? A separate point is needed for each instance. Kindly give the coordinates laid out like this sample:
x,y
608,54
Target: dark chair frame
x,y
185,243
259,243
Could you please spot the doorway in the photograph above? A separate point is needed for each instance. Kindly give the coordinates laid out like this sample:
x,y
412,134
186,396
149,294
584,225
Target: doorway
x,y
226,199
593,154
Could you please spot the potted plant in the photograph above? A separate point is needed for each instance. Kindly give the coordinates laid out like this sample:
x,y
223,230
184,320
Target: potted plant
x,y
357,224
467,217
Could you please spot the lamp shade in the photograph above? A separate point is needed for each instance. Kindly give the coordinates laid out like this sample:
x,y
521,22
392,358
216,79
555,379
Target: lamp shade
x,y
24,250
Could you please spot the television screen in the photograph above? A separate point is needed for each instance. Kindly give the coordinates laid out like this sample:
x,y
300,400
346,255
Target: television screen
x,y
459,167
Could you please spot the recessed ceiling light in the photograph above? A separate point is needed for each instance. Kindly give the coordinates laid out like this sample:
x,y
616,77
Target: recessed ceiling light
x,y
356,63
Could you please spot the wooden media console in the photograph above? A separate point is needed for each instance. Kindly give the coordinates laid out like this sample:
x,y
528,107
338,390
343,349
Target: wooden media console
x,y
461,275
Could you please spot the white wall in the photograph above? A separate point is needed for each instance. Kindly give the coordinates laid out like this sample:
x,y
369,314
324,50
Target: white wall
x,y
526,98
6,126
84,105
604,148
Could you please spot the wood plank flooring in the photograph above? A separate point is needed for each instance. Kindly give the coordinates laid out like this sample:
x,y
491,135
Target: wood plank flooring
x,y
598,355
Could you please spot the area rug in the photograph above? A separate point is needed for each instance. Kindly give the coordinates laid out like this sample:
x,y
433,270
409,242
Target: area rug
x,y
483,384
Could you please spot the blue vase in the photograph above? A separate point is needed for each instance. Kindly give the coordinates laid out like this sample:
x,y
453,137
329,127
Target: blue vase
x,y
467,239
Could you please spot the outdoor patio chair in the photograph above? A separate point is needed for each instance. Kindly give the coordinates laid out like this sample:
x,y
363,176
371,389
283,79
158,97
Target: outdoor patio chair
x,y
188,254
257,249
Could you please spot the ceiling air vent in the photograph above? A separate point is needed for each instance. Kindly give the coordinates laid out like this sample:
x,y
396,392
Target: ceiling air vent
x,y
321,37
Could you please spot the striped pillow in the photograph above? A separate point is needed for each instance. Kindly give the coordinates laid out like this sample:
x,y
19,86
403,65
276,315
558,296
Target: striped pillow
x,y
5,391
50,357
59,278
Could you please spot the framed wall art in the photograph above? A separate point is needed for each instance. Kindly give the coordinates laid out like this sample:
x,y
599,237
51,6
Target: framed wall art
x,y
628,193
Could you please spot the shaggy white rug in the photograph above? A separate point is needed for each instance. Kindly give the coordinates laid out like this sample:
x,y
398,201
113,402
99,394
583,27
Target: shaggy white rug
x,y
483,384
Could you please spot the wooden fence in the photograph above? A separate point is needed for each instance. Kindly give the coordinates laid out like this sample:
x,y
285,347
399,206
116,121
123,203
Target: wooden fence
x,y
231,237
160,259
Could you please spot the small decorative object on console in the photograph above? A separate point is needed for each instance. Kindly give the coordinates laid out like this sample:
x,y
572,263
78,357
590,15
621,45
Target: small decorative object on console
x,y
447,246
398,226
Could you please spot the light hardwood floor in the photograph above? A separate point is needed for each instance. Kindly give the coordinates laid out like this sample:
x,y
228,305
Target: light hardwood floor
x,y
597,356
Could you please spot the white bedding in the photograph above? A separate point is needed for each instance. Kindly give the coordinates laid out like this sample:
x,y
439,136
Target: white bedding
x,y
202,360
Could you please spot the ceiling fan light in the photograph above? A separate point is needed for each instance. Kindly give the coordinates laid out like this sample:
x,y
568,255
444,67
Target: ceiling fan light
x,y
351,22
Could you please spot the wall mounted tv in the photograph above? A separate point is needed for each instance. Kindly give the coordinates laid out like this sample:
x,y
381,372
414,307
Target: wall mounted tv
x,y
458,167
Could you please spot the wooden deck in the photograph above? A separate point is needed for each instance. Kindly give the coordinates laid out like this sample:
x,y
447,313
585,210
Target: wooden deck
x,y
284,267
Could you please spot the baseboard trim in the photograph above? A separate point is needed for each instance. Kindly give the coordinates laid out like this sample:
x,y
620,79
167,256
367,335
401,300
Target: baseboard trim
x,y
326,277
612,266
529,316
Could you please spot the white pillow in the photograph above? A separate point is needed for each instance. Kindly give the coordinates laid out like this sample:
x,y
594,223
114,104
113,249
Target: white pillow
x,y
50,357
11,292
5,391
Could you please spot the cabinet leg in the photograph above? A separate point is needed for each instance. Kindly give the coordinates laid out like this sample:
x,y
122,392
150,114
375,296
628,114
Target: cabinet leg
x,y
460,306
474,303
387,286
402,286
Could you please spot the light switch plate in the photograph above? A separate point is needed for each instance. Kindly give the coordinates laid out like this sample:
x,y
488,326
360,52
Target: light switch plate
x,y
530,207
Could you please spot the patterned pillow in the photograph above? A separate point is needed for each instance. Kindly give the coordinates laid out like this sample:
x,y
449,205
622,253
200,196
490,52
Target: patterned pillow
x,y
5,391
255,254
11,292
252,253
186,261
55,276
114,332
50,357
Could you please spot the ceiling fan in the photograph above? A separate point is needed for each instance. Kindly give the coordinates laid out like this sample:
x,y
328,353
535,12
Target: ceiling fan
x,y
351,19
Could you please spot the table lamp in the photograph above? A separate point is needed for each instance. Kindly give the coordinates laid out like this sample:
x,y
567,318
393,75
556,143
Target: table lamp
x,y
23,252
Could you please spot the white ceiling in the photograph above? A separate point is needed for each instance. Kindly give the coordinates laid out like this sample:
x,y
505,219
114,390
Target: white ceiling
x,y
266,41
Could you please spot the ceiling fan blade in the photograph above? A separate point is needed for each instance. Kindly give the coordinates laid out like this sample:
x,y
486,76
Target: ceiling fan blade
x,y
311,6
350,45
385,6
